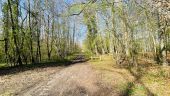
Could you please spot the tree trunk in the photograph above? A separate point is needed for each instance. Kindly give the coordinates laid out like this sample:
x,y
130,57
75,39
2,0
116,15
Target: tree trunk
x,y
31,34
48,34
19,61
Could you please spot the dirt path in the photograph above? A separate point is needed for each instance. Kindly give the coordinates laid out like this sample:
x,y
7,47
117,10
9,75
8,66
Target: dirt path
x,y
76,80
14,83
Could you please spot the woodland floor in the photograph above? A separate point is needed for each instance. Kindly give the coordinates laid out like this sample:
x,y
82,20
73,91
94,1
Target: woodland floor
x,y
92,78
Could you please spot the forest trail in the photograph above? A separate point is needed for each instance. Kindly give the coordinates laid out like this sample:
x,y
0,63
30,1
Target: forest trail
x,y
79,79
75,80
91,78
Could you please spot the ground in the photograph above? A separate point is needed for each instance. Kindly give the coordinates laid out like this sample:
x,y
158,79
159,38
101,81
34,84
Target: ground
x,y
75,80
91,78
80,79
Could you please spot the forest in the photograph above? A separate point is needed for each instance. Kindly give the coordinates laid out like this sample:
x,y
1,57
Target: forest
x,y
80,37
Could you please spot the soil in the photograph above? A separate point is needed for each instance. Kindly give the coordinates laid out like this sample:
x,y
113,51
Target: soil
x,y
75,80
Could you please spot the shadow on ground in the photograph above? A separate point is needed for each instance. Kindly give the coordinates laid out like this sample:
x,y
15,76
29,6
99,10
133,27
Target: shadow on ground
x,y
137,80
18,69
137,73
141,70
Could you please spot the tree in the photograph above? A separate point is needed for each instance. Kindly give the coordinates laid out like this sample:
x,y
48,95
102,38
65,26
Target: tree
x,y
14,20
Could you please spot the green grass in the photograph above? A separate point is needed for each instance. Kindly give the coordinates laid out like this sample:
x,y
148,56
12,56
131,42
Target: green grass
x,y
2,65
45,62
138,90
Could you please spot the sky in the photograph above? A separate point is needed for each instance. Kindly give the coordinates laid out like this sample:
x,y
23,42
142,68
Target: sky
x,y
1,1
0,15
81,30
69,1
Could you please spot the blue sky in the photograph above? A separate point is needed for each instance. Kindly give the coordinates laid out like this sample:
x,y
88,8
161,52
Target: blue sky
x,y
0,15
1,8
69,1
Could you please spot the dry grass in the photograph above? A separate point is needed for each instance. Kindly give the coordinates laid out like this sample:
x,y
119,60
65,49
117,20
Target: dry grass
x,y
111,74
154,77
157,80
149,79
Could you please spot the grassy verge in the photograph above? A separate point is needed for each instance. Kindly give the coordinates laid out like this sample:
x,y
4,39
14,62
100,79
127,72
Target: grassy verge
x,y
112,75
148,79
157,80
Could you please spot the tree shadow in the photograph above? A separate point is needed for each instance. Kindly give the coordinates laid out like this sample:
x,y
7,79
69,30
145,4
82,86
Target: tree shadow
x,y
137,76
57,63
141,70
130,85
